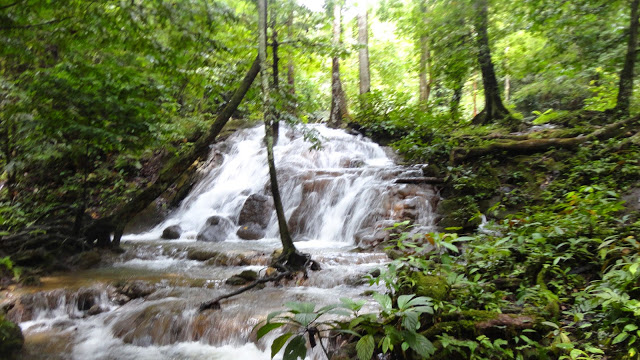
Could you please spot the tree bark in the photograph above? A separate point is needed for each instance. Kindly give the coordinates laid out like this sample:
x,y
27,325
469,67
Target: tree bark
x,y
287,243
338,112
117,221
424,75
493,107
625,87
276,73
363,54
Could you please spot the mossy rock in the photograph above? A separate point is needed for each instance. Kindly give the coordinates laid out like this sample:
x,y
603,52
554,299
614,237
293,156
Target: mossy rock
x,y
11,339
201,254
433,286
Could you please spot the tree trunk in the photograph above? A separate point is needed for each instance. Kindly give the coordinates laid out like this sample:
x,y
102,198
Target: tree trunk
x,y
291,79
424,74
287,243
363,54
276,73
117,221
475,97
339,110
625,87
493,107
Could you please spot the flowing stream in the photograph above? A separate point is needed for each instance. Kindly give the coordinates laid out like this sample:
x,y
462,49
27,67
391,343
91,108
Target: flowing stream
x,y
144,304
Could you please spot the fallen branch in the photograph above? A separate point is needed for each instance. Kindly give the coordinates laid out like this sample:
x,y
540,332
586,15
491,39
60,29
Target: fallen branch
x,y
215,303
459,154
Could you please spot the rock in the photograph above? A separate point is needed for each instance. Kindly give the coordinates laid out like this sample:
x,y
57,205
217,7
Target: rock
x,y
87,298
86,260
249,275
11,339
250,231
172,232
95,310
256,209
201,254
236,280
435,287
135,289
216,229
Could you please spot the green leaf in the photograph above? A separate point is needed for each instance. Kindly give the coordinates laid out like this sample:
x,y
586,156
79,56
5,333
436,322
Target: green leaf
x,y
550,324
278,343
620,338
630,327
403,300
421,345
266,328
450,246
386,344
300,307
575,353
365,347
383,300
305,318
296,349
410,321
273,314
633,269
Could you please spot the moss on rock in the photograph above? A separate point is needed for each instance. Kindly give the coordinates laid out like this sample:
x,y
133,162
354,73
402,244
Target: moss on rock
x,y
11,339
433,286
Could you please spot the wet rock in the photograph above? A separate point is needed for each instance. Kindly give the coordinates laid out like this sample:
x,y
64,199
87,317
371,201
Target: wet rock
x,y
87,298
135,289
243,278
632,199
236,280
95,310
86,260
249,275
216,229
257,209
172,232
201,254
250,231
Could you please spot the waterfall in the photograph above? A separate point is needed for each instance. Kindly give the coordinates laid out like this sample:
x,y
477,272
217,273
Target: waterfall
x,y
329,194
143,306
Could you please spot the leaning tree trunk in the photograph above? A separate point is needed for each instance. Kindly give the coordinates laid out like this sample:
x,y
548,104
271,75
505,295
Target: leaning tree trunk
x,y
116,222
493,107
290,256
363,54
338,111
625,87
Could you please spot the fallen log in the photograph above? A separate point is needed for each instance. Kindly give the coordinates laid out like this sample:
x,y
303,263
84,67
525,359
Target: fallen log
x,y
420,180
101,229
459,154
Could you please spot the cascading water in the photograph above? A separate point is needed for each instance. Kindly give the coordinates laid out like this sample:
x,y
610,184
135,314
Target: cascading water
x,y
144,305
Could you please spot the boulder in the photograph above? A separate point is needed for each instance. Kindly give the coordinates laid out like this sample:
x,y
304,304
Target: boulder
x,y
250,231
216,229
243,278
135,289
256,209
172,232
95,310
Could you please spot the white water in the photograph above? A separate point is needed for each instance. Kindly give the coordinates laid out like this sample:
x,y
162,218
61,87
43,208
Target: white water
x,y
333,193
334,213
